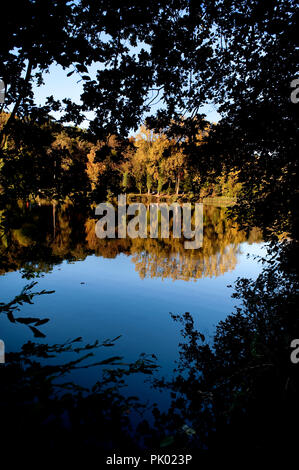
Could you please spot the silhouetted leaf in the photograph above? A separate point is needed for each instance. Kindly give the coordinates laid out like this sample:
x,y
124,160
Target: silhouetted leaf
x,y
36,332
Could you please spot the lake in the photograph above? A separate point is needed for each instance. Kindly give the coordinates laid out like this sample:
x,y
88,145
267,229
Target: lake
x,y
126,288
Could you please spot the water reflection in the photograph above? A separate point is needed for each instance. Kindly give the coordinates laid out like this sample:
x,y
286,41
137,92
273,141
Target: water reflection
x,y
239,393
41,404
233,397
35,238
233,392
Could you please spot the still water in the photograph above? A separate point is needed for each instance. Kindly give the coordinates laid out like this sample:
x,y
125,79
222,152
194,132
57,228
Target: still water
x,y
102,289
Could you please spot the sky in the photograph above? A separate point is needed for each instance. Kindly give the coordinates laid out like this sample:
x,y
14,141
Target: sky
x,y
60,86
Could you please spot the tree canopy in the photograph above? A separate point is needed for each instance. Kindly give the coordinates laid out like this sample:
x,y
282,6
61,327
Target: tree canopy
x,y
241,56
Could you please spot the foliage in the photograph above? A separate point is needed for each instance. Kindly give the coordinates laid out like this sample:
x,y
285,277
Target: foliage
x,y
238,391
41,403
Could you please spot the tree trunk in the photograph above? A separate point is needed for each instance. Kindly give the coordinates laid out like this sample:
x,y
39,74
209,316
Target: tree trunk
x,y
178,184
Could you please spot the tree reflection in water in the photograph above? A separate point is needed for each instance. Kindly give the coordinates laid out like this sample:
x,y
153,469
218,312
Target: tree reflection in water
x,y
42,406
239,394
35,241
234,395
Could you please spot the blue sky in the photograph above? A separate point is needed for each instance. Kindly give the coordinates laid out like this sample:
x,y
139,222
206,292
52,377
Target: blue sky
x,y
60,86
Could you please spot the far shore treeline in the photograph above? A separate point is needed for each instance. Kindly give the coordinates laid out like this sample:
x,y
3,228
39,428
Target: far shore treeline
x,y
64,161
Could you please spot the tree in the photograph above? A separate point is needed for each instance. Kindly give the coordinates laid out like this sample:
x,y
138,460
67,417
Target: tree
x,y
239,392
239,56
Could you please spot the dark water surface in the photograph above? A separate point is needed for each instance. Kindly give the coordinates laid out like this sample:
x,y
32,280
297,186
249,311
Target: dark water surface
x,y
118,288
